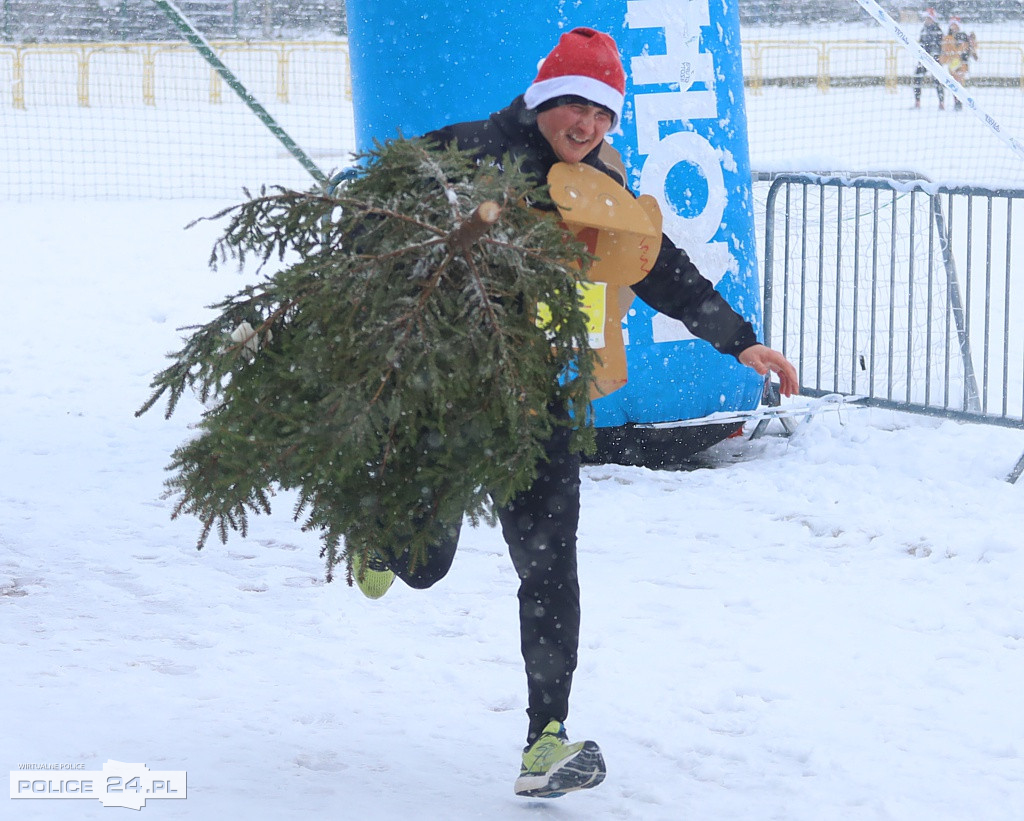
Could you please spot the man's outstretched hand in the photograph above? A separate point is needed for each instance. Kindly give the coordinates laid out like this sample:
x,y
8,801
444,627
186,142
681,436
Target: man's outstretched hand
x,y
763,359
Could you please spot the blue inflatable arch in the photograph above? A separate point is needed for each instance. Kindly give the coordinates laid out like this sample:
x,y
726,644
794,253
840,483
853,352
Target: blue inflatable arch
x,y
420,64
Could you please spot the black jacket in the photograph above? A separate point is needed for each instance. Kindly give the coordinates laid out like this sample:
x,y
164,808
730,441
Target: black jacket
x,y
931,38
674,286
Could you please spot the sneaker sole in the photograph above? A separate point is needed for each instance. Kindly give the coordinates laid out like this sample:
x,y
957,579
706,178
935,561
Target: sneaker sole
x,y
582,771
375,583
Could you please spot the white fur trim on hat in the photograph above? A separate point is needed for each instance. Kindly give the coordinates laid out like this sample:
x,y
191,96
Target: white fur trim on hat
x,y
574,84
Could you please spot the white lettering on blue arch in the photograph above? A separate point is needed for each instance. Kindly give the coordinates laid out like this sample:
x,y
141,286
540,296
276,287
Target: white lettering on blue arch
x,y
682,66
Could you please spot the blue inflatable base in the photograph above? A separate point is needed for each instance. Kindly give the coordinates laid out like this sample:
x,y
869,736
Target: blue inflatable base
x,y
657,448
670,377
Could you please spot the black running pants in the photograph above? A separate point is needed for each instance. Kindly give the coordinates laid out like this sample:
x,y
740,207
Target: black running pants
x,y
539,526
919,76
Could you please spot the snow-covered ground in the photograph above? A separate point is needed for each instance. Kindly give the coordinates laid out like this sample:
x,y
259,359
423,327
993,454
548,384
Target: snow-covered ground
x,y
829,626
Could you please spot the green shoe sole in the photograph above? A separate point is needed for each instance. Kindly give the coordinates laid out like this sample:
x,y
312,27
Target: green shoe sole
x,y
581,771
373,579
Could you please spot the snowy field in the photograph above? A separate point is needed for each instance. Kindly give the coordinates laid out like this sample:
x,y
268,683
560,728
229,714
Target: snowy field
x,y
823,627
869,129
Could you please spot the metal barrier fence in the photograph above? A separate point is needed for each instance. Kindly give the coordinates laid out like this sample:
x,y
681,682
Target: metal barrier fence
x,y
907,294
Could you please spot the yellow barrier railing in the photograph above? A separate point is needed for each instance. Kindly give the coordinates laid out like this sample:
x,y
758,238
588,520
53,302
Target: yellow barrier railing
x,y
764,61
756,50
881,59
84,55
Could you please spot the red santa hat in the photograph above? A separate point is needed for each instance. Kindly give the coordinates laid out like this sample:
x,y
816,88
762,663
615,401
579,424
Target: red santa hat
x,y
585,63
930,14
954,21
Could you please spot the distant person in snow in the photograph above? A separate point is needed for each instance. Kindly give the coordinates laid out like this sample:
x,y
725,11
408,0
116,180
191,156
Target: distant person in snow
x,y
563,117
931,41
958,49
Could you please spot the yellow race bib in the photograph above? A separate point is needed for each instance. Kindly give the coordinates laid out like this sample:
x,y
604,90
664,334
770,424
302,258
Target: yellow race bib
x,y
593,303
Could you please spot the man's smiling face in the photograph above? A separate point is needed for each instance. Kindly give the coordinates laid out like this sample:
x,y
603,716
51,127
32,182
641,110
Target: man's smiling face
x,y
575,129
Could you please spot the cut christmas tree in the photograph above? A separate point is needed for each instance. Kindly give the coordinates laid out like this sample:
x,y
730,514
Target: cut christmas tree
x,y
392,370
